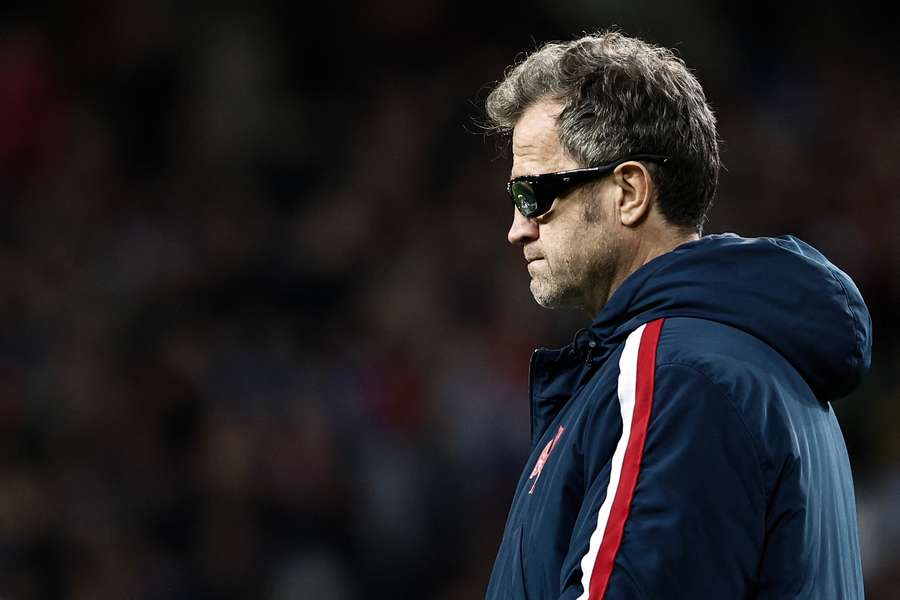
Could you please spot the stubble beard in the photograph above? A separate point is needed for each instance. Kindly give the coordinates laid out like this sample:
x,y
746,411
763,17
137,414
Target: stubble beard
x,y
552,291
577,282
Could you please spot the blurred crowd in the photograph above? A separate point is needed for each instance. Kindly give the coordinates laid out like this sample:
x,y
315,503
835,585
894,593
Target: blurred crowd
x,y
261,335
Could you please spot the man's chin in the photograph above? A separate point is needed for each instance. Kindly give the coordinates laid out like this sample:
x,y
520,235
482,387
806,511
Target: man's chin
x,y
550,298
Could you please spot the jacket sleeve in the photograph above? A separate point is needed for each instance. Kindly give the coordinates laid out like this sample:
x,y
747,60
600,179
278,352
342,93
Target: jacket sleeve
x,y
679,512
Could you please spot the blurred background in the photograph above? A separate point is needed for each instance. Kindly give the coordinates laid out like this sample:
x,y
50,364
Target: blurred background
x,y
261,334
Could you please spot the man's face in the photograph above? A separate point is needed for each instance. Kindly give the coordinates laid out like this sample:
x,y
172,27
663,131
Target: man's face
x,y
572,250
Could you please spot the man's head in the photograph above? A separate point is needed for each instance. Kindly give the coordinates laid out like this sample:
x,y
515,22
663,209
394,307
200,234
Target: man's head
x,y
595,101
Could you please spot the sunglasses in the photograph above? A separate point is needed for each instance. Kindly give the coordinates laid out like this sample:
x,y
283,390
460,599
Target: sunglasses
x,y
533,195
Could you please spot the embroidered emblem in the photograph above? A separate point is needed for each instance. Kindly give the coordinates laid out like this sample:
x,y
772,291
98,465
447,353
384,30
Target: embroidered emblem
x,y
542,459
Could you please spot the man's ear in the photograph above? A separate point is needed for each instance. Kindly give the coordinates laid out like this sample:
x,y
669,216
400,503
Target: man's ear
x,y
637,193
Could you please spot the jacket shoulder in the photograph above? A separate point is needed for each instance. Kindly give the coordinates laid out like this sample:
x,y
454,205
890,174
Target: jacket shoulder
x,y
759,380
720,351
774,401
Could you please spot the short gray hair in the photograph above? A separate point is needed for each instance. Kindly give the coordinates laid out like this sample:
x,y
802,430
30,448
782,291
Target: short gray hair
x,y
622,95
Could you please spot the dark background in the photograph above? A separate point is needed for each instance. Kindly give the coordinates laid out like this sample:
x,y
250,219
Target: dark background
x,y
261,335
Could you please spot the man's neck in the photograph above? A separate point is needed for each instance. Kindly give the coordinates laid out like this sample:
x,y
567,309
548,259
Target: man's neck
x,y
646,251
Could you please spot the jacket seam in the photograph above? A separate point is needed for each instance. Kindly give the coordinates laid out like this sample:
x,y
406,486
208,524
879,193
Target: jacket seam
x,y
756,443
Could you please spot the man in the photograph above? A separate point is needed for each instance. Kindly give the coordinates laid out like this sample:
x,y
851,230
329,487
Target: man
x,y
684,445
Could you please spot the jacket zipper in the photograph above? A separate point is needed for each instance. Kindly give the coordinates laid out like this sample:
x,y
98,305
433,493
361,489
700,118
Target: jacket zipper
x,y
531,394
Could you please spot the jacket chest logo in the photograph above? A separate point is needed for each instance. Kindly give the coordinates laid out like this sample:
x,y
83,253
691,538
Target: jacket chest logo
x,y
542,459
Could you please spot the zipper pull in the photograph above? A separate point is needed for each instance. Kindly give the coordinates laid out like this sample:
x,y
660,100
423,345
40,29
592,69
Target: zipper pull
x,y
590,354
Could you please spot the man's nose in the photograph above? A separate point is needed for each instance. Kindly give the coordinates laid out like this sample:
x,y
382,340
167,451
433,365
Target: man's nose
x,y
522,230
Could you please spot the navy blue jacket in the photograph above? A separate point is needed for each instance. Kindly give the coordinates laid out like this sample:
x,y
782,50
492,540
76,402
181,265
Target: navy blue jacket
x,y
684,446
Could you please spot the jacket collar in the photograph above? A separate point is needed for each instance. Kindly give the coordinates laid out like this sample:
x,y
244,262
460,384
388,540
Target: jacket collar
x,y
555,375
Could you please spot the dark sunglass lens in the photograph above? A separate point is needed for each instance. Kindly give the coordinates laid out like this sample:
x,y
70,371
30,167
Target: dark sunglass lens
x,y
524,197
